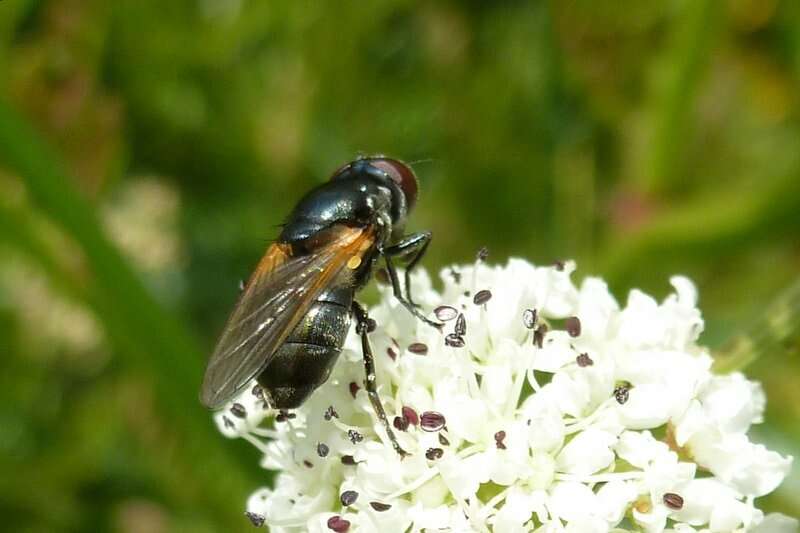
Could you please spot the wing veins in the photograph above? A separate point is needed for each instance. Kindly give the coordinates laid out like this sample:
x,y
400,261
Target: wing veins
x,y
291,288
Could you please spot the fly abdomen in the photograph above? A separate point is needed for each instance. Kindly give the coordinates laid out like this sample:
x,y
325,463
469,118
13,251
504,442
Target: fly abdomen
x,y
304,361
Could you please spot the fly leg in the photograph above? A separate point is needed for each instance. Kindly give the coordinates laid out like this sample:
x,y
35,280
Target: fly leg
x,y
413,246
364,324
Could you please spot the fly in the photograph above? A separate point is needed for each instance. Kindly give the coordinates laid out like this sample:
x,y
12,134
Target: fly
x,y
293,314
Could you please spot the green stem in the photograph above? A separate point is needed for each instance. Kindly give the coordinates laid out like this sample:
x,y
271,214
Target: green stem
x,y
774,332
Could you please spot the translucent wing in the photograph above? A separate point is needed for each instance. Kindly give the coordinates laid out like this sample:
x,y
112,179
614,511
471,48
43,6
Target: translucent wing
x,y
276,297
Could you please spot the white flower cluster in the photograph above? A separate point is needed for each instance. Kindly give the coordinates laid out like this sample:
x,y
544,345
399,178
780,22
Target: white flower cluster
x,y
541,406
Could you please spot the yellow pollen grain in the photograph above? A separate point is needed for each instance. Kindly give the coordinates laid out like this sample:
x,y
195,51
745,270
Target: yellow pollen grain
x,y
354,262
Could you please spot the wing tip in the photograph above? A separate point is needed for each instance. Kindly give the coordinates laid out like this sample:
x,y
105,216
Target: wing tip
x,y
210,400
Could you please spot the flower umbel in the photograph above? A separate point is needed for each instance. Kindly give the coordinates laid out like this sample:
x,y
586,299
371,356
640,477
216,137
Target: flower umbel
x,y
542,406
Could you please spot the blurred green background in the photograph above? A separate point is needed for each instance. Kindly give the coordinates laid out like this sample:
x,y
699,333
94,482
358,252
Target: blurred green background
x,y
148,150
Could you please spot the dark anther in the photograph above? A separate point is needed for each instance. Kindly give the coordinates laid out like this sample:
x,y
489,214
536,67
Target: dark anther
x,y
322,449
354,388
443,440
499,437
391,353
410,416
255,518
461,325
559,265
308,464
445,313
573,325
380,507
673,501
348,460
228,422
348,497
400,424
330,412
482,296
453,340
456,275
338,524
258,392
622,392
529,318
371,325
584,360
432,421
238,410
419,348
354,436
434,453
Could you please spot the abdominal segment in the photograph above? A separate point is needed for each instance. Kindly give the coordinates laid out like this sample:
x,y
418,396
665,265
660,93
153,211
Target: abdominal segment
x,y
304,361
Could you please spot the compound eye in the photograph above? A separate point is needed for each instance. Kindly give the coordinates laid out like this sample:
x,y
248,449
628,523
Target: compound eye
x,y
401,174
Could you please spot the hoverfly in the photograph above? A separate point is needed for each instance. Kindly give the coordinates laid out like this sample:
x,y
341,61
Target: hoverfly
x,y
294,312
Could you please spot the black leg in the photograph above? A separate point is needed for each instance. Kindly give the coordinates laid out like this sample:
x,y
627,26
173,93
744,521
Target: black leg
x,y
363,323
414,246
423,247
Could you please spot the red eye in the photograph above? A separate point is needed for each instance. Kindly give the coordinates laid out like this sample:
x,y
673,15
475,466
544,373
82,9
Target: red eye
x,y
401,174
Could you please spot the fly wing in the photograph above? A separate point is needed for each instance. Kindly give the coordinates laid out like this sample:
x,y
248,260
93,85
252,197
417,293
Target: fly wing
x,y
276,297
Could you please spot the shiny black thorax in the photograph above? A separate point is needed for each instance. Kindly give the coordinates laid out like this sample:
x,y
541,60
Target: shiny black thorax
x,y
354,200
306,358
